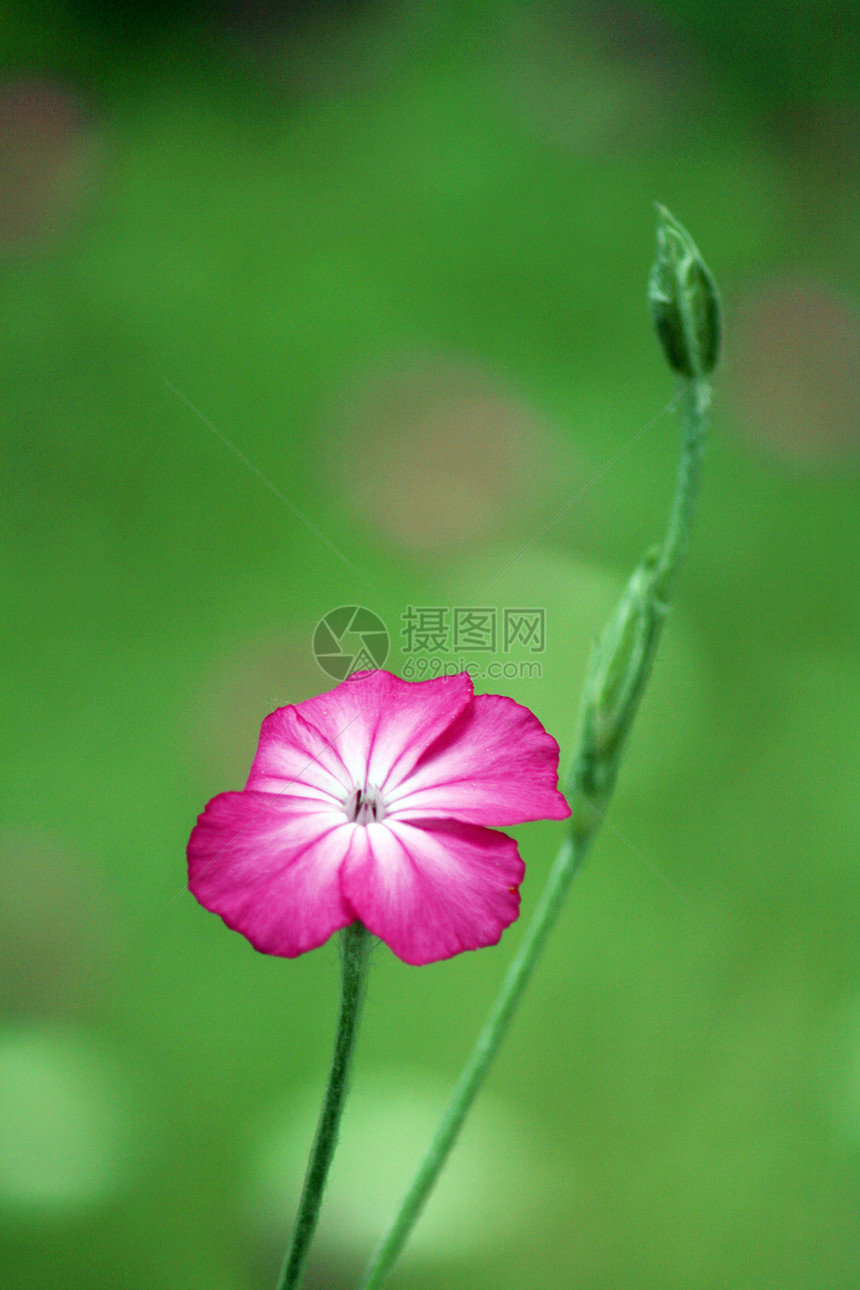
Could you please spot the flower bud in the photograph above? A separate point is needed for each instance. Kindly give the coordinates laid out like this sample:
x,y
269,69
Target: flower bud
x,y
685,304
619,671
624,657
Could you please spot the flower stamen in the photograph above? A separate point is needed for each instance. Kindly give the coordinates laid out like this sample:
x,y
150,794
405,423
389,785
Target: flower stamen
x,y
365,806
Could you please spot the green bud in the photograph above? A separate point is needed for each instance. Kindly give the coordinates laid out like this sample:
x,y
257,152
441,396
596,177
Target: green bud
x,y
623,658
619,671
685,304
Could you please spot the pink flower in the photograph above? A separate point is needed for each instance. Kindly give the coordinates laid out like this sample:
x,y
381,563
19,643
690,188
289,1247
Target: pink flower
x,y
372,802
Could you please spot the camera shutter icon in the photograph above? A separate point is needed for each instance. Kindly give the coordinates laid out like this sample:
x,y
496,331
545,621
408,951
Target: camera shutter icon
x,y
350,639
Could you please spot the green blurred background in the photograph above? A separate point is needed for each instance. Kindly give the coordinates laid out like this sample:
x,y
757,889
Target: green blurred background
x,y
396,254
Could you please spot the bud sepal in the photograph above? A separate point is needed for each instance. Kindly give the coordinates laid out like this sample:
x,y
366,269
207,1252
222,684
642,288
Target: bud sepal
x,y
619,670
684,301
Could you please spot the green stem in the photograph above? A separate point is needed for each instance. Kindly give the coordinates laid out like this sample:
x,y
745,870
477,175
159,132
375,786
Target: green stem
x,y
355,944
694,401
489,1040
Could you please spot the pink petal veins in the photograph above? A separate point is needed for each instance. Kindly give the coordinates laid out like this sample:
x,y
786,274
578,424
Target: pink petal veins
x,y
433,892
494,765
271,870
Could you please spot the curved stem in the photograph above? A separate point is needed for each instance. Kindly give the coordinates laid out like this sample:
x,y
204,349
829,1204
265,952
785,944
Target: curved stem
x,y
486,1047
354,949
694,403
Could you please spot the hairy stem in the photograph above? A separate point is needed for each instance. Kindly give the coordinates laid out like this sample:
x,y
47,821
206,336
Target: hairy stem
x,y
693,404
354,950
485,1049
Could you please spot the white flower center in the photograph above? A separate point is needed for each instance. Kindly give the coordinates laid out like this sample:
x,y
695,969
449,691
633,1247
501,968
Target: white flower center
x,y
365,806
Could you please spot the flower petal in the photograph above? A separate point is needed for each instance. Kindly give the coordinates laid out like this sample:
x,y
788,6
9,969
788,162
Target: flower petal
x,y
371,728
294,759
270,869
432,892
494,765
